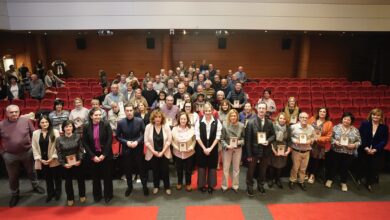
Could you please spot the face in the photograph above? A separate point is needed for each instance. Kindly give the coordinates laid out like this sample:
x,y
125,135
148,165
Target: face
x,y
201,77
224,82
225,106
105,91
157,119
95,104
322,113
207,85
115,108
238,86
162,96
129,87
266,94
59,107
188,107
138,93
181,88
376,117
261,109
282,120
220,96
97,115
171,83
158,79
149,85
233,118
114,89
169,101
303,118
216,78
183,120
291,103
207,111
199,89
68,129
141,106
78,104
123,79
347,121
248,108
187,97
44,124
129,111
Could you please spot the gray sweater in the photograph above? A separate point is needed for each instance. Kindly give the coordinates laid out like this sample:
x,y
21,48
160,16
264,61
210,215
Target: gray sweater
x,y
230,130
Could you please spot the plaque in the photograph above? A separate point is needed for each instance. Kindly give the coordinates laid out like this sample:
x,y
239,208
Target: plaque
x,y
121,107
233,142
293,119
303,139
180,103
182,146
236,104
280,149
261,137
344,140
169,121
71,159
161,103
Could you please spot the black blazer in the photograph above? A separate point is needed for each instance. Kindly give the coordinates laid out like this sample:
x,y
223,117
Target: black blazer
x,y
105,138
251,145
379,140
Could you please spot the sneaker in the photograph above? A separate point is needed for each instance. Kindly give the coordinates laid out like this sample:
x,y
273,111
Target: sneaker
x,y
70,202
344,187
311,179
155,190
328,183
168,192
83,199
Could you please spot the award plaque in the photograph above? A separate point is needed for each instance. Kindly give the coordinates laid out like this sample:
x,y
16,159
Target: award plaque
x,y
303,139
169,121
293,119
280,149
161,103
261,137
71,159
344,140
236,103
233,142
182,146
180,103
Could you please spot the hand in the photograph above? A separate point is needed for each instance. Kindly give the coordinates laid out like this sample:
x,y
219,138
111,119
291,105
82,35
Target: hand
x,y
96,159
286,153
351,146
67,166
134,144
102,157
249,159
206,151
337,143
265,143
128,143
44,162
160,154
78,163
155,153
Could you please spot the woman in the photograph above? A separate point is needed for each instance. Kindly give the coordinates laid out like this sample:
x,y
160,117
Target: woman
x,y
52,81
374,138
79,115
70,154
142,112
247,113
97,141
345,140
280,149
232,140
59,115
105,91
14,89
189,109
223,111
160,100
271,107
45,156
220,96
187,97
207,133
158,139
183,142
323,127
292,110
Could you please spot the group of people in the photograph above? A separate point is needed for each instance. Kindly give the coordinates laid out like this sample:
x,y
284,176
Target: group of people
x,y
204,126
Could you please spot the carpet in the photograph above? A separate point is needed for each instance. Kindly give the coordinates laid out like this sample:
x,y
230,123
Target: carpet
x,y
215,212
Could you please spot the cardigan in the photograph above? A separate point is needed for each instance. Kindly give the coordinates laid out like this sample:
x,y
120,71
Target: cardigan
x,y
51,152
188,136
149,143
326,133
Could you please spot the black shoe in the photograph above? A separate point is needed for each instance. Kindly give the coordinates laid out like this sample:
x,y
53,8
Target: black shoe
x,y
39,190
303,186
146,191
49,198
203,189
261,189
97,198
210,190
14,200
250,192
107,199
128,191
279,184
291,185
369,187
57,195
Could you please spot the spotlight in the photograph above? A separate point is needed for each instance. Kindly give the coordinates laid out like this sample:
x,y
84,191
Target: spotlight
x,y
184,32
171,31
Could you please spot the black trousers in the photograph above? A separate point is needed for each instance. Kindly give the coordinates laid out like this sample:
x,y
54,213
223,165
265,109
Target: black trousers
x,y
102,171
339,162
78,173
160,168
184,166
314,165
262,170
369,166
133,163
53,179
275,173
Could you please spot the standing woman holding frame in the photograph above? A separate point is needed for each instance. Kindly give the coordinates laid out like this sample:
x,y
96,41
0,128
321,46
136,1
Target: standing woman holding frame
x,y
70,154
183,142
45,156
207,133
97,140
158,138
232,139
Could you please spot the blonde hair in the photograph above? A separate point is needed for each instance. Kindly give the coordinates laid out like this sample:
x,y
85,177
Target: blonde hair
x,y
285,117
376,111
232,111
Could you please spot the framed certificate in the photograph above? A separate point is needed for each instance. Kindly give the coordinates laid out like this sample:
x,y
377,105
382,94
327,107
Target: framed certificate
x,y
180,103
236,103
344,140
121,107
233,142
161,103
293,119
169,121
261,137
280,149
182,146
71,159
303,139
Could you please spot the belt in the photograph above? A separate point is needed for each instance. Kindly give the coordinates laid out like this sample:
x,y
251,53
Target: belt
x,y
300,151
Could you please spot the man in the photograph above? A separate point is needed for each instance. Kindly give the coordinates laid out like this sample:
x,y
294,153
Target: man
x,y
113,96
130,133
212,71
171,111
137,99
23,70
199,89
170,89
37,88
123,84
237,95
180,93
149,93
241,75
158,85
163,76
189,89
129,92
15,139
258,149
224,87
217,83
200,81
302,137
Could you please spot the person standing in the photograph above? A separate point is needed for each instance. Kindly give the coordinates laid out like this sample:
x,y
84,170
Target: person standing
x,y
45,156
15,139
259,134
130,133
97,141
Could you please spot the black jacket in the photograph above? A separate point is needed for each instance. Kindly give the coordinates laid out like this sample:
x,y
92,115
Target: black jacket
x,y
105,139
251,145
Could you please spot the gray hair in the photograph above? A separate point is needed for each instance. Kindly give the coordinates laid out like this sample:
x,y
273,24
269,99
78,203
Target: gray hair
x,y
12,106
